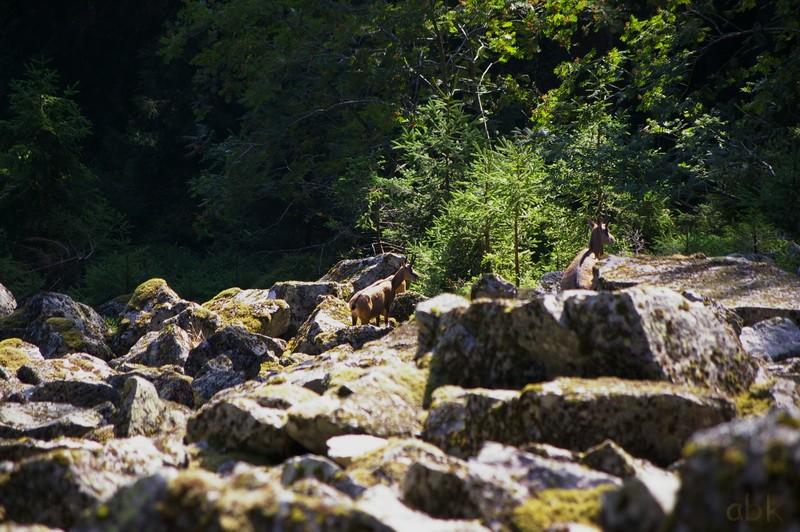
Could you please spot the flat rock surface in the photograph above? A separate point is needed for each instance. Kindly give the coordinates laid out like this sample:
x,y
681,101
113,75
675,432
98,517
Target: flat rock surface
x,y
754,290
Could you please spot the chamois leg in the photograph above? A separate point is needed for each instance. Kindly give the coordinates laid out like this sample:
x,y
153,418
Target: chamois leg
x,y
355,320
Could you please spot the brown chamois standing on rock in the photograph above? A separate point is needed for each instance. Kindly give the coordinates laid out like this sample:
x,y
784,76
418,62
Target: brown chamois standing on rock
x,y
579,273
375,300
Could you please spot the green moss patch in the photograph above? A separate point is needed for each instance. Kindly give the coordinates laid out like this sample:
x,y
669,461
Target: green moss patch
x,y
146,291
553,506
755,401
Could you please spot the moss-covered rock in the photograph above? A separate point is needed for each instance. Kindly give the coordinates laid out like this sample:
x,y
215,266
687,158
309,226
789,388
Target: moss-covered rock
x,y
169,346
15,353
246,500
498,343
252,310
559,506
317,467
151,304
302,298
754,290
58,325
55,487
743,473
649,419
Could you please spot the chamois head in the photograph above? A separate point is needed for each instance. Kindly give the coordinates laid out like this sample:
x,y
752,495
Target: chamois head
x,y
600,236
406,273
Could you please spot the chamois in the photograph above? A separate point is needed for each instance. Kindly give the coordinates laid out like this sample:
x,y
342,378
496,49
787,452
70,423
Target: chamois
x,y
375,300
579,273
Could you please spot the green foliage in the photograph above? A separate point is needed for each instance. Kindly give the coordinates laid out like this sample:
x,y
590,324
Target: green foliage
x,y
40,152
280,136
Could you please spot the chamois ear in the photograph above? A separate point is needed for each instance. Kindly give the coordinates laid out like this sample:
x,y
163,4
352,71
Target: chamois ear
x,y
591,222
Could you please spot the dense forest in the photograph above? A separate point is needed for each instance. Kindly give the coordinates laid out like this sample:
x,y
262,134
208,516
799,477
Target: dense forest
x,y
222,143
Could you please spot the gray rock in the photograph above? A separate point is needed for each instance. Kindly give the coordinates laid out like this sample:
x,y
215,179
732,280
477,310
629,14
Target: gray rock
x,y
550,283
58,325
246,352
217,377
754,290
363,272
7,302
70,481
746,473
645,502
23,448
650,419
143,413
253,310
47,421
249,417
492,285
776,338
302,298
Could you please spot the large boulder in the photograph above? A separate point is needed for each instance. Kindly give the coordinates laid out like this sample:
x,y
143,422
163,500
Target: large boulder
x,y
380,401
404,305
640,333
245,351
329,326
363,272
58,325
657,334
7,302
745,473
775,339
169,346
302,297
493,285
53,488
652,420
78,379
252,310
497,343
754,290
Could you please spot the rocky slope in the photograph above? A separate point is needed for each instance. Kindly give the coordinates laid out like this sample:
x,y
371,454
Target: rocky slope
x,y
640,408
